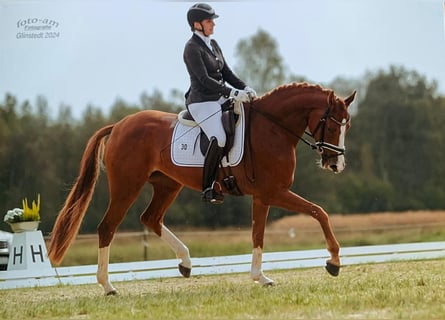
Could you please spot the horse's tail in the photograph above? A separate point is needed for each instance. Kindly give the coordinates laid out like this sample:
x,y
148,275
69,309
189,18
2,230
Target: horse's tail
x,y
70,217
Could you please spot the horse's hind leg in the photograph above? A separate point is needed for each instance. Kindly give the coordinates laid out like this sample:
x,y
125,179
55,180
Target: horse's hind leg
x,y
165,191
122,196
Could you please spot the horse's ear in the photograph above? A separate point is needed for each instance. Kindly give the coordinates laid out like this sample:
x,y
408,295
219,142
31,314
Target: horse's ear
x,y
349,99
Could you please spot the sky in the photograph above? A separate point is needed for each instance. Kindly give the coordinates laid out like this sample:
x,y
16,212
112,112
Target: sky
x,y
94,52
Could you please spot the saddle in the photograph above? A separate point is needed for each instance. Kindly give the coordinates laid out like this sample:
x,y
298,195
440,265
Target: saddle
x,y
229,119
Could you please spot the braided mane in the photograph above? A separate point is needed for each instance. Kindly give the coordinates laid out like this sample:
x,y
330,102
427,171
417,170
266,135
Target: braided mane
x,y
301,87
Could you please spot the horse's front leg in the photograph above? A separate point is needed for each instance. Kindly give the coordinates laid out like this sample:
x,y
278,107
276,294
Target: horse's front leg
x,y
259,218
292,202
333,264
180,249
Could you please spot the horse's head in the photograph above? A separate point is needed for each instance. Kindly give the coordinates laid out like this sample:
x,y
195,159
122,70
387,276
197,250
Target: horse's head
x,y
328,127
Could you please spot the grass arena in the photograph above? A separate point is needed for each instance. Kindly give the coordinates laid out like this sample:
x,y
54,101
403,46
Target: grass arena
x,y
396,290
401,290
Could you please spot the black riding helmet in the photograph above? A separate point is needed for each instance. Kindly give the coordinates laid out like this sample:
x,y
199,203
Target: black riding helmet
x,y
199,12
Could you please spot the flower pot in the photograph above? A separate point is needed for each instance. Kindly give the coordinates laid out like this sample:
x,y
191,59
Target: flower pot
x,y
22,226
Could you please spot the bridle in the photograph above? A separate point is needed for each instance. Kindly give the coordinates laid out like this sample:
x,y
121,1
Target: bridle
x,y
317,145
320,145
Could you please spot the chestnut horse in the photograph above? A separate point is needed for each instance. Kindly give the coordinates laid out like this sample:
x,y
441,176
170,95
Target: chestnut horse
x,y
137,151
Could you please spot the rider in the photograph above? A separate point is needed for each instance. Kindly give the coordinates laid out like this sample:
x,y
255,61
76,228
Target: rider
x,y
209,73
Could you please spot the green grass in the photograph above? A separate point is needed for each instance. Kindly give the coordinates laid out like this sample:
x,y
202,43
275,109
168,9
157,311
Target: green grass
x,y
401,290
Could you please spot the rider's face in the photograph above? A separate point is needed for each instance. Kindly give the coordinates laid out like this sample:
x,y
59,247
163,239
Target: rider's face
x,y
208,25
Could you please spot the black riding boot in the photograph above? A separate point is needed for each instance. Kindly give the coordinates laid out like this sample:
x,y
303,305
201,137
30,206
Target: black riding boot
x,y
211,163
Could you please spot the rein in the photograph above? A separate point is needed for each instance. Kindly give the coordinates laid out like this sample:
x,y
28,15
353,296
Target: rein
x,y
271,118
319,145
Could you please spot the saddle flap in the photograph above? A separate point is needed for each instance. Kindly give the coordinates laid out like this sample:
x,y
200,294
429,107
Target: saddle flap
x,y
228,121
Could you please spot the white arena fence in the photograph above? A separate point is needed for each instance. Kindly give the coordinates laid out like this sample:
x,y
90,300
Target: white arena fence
x,y
144,270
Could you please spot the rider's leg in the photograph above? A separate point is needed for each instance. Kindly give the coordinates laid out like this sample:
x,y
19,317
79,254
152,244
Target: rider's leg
x,y
211,163
208,116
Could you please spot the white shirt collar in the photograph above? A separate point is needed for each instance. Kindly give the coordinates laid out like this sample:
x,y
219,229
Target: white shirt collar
x,y
205,39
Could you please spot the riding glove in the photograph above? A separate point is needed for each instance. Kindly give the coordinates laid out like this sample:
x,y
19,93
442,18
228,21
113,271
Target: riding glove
x,y
240,95
250,92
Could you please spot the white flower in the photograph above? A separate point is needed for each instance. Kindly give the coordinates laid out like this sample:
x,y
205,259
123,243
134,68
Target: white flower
x,y
14,215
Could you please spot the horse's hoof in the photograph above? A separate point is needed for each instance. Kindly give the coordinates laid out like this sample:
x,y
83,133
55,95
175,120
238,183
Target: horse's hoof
x,y
184,271
112,293
332,269
263,280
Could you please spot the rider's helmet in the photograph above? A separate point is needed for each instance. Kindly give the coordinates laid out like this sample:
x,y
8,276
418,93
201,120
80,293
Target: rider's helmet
x,y
199,12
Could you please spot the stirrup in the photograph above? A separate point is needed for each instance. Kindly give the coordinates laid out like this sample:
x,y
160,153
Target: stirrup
x,y
212,196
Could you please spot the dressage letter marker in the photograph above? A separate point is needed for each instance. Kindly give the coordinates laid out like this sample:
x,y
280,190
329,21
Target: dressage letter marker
x,y
28,252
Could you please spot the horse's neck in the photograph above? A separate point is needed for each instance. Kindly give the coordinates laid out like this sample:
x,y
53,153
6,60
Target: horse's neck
x,y
291,110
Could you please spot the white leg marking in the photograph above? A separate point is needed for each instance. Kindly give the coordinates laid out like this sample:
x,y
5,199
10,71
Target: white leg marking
x,y
255,272
103,258
181,251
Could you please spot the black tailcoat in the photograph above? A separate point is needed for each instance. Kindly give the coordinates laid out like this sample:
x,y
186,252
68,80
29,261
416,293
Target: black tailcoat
x,y
208,72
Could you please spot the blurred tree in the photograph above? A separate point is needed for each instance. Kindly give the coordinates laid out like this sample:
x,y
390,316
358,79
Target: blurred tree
x,y
156,101
394,133
259,62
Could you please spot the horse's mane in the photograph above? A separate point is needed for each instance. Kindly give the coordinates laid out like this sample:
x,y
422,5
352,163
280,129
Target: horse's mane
x,y
300,87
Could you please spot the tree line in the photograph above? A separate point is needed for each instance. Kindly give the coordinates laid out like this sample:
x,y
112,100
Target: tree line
x,y
394,149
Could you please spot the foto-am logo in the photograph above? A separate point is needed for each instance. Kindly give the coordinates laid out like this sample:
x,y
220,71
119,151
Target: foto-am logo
x,y
33,24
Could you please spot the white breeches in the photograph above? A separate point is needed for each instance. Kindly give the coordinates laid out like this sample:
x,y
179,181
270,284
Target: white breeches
x,y
208,115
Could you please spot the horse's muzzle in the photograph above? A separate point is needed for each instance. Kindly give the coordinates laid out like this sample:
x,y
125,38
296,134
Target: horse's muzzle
x,y
334,163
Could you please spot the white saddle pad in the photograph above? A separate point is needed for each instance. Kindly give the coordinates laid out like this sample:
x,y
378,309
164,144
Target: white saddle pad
x,y
186,151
